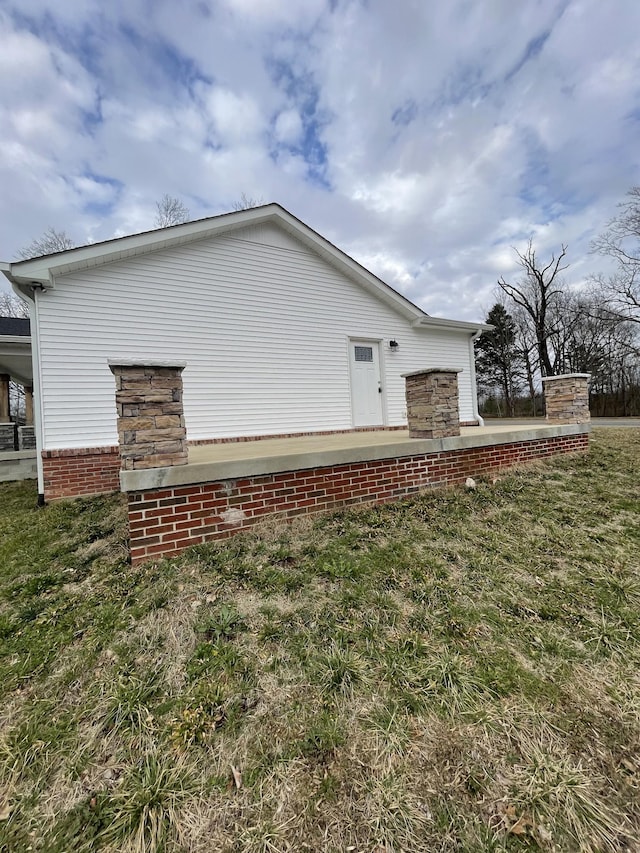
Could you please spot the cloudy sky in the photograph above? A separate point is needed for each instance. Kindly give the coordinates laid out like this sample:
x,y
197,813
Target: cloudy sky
x,y
424,138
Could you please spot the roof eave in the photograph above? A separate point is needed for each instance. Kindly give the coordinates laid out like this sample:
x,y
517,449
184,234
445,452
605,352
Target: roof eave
x,y
453,325
16,339
43,270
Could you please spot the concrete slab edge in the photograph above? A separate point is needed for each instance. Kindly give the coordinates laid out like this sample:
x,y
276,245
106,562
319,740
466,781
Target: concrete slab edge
x,y
213,472
142,362
15,455
18,465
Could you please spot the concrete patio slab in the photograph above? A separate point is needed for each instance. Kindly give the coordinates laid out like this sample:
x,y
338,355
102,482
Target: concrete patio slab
x,y
233,460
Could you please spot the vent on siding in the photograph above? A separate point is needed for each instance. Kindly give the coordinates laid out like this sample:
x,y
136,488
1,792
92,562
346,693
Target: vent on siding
x,y
363,353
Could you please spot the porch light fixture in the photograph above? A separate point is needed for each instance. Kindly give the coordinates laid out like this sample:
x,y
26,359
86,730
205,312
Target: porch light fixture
x,y
394,346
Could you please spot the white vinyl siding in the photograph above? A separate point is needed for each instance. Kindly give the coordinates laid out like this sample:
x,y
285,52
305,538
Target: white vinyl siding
x,y
264,329
451,349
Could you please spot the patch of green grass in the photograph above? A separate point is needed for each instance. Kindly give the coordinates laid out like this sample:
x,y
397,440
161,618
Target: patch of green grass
x,y
34,744
222,623
127,703
336,670
145,810
82,828
323,735
215,660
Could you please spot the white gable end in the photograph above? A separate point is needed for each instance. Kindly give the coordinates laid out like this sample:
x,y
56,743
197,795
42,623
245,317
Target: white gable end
x,y
268,234
263,322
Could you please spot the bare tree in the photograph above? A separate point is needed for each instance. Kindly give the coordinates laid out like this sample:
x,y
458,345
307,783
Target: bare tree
x,y
621,243
537,291
608,348
171,211
246,202
11,306
50,242
528,352
570,332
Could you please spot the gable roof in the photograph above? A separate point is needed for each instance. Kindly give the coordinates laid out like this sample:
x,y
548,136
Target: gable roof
x,y
43,270
14,327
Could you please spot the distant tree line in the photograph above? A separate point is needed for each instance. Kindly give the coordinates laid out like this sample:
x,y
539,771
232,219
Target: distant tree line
x,y
544,328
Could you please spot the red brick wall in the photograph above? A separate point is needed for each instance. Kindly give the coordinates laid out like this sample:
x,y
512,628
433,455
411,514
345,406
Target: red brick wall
x,y
80,471
162,522
94,470
85,471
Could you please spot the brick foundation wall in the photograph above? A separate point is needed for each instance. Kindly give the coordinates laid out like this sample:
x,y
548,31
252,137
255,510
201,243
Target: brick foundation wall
x,y
93,470
165,521
80,471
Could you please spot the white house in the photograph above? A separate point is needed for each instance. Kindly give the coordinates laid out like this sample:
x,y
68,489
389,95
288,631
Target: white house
x,y
282,333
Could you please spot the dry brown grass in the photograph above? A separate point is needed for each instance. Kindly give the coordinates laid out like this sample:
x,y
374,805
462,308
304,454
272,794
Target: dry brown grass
x,y
458,672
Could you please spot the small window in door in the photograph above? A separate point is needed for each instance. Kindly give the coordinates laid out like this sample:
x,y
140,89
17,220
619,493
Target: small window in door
x,y
363,353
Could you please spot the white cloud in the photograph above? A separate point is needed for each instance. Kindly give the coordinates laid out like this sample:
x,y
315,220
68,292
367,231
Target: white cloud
x,y
268,13
236,117
425,139
288,127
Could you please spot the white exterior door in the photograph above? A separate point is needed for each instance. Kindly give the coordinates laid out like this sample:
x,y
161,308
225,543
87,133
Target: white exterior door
x,y
366,387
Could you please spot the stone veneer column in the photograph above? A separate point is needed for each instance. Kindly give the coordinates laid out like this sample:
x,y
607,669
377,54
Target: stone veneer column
x,y
26,437
432,402
566,398
7,437
151,428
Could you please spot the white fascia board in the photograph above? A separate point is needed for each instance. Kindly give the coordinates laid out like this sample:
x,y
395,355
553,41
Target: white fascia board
x,y
34,274
21,286
453,325
16,339
45,268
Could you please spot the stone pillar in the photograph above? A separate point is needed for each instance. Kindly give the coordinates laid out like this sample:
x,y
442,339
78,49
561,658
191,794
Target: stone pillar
x,y
432,402
4,398
28,405
151,428
7,437
26,438
566,398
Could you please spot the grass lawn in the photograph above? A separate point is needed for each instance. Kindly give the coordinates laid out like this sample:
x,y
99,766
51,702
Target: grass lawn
x,y
455,672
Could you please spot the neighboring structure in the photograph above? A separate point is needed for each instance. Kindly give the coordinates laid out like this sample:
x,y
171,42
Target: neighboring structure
x,y
15,362
282,334
15,366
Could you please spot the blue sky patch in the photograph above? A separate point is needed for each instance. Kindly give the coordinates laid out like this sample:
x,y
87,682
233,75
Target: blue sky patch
x,y
405,114
301,89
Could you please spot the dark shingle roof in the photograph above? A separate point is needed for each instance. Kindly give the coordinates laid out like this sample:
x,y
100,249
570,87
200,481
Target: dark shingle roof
x,y
14,326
